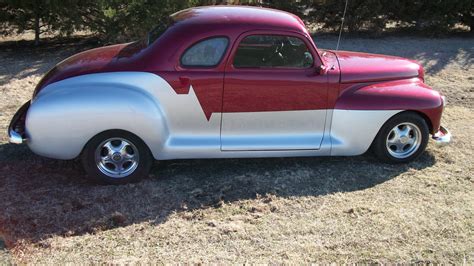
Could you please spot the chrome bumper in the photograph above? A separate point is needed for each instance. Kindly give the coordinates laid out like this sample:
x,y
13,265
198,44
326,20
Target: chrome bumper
x,y
442,137
15,137
16,130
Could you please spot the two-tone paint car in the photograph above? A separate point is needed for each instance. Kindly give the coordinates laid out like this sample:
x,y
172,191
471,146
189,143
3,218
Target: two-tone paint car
x,y
227,82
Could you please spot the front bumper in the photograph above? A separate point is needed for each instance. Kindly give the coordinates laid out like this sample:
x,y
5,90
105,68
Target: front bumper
x,y
442,137
16,129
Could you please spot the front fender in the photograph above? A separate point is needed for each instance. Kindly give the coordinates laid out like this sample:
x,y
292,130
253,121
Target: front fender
x,y
67,114
407,95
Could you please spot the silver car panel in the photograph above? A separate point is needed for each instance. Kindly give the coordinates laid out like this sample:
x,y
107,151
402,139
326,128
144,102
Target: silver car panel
x,y
67,114
352,131
283,130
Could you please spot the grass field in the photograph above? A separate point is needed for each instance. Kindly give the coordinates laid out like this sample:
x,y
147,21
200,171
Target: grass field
x,y
248,210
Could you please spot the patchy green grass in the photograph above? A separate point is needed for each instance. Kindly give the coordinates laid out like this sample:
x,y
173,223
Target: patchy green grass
x,y
248,210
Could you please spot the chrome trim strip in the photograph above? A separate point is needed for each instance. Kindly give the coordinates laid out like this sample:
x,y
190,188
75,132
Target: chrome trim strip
x,y
442,137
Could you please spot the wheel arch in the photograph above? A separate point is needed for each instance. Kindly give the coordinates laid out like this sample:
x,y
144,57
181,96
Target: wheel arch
x,y
115,130
379,145
419,113
424,116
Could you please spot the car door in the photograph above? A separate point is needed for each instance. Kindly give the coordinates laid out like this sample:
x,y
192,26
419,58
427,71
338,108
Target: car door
x,y
193,106
274,96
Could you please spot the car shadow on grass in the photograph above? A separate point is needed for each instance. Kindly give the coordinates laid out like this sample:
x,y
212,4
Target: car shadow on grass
x,y
41,198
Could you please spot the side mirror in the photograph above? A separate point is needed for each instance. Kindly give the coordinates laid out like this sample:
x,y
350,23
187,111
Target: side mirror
x,y
321,70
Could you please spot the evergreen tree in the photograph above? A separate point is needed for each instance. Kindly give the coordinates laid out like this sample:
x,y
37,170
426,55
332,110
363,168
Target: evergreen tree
x,y
41,16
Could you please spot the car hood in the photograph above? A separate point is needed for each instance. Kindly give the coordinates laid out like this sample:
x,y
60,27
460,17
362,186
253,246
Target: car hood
x,y
119,57
362,67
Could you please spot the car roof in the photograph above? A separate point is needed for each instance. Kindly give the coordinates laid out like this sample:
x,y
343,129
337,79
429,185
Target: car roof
x,y
232,16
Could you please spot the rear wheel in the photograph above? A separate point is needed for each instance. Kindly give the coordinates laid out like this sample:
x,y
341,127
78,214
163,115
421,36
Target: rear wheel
x,y
116,157
402,139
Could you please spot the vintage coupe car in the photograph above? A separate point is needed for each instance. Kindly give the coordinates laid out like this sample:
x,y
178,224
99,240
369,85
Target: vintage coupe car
x,y
221,82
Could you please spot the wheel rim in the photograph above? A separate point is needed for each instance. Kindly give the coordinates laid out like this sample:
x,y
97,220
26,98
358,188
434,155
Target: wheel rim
x,y
404,140
117,157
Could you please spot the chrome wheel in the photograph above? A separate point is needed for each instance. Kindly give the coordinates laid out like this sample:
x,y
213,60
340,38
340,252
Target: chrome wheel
x,y
117,157
404,140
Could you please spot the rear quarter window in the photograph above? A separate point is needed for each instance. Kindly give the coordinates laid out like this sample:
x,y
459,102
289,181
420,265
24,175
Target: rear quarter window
x,y
205,53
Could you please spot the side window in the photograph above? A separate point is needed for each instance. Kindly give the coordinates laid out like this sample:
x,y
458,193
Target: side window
x,y
272,51
206,53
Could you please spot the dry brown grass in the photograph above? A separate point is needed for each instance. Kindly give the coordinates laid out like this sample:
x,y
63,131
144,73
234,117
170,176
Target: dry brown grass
x,y
248,210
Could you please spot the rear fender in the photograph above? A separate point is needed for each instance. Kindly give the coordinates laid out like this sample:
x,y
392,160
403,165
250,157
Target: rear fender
x,y
67,114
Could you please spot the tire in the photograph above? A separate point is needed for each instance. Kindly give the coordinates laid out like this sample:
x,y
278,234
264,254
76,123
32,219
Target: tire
x,y
402,139
116,157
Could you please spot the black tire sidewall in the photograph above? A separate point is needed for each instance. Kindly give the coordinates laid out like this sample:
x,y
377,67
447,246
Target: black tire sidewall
x,y
93,173
380,148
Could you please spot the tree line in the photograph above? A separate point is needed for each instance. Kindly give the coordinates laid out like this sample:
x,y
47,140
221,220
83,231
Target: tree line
x,y
117,20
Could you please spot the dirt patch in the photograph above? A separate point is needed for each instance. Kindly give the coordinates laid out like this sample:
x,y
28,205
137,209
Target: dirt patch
x,y
249,210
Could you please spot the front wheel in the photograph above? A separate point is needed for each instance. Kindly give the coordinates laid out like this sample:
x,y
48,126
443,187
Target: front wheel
x,y
402,138
116,157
